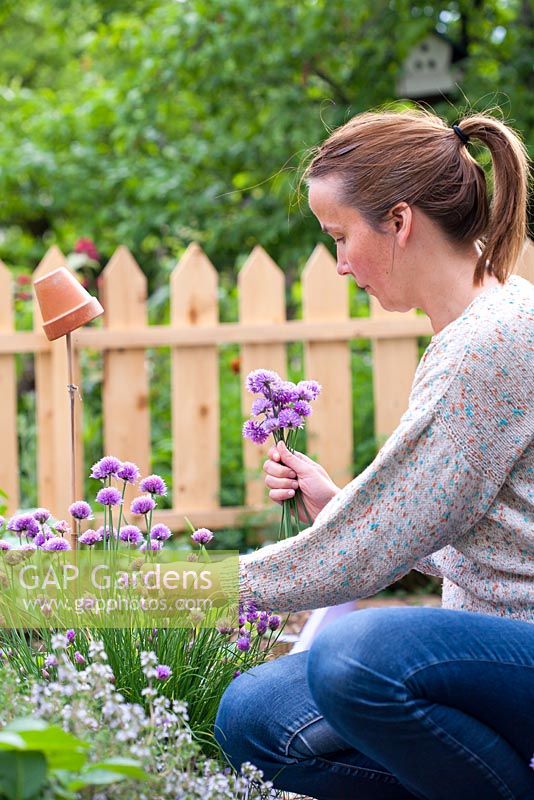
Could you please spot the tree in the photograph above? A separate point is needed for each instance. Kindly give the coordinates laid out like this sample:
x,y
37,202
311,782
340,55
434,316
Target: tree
x,y
152,123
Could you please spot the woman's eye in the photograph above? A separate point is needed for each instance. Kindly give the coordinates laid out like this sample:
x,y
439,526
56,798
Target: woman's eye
x,y
340,240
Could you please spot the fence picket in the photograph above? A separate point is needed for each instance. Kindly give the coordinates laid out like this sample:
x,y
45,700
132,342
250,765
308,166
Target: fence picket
x,y
9,463
525,263
325,299
195,386
125,387
261,300
394,365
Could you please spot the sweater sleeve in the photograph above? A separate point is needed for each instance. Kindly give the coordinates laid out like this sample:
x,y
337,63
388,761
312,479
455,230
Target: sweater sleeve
x,y
434,478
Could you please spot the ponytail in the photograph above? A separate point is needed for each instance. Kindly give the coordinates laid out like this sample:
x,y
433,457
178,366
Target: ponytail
x,y
504,238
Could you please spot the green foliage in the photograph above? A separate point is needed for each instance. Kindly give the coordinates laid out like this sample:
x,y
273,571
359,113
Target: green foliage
x,y
41,760
80,738
154,123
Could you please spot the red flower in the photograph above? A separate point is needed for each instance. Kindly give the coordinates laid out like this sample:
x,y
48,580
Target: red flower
x,y
23,280
235,365
88,247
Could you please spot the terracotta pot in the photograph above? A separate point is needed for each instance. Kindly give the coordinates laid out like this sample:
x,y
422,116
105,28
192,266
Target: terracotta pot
x,y
65,305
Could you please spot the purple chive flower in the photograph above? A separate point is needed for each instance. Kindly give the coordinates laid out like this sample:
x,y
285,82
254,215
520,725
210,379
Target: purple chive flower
x,y
102,533
56,543
153,484
290,419
308,390
152,544
131,534
109,496
224,628
142,504
128,472
23,524
71,635
80,510
41,515
163,672
241,619
259,380
284,392
51,661
202,536
261,626
243,643
236,674
29,547
274,622
255,432
40,539
160,532
2,520
62,526
105,468
4,545
79,659
271,424
90,537
252,615
303,408
261,406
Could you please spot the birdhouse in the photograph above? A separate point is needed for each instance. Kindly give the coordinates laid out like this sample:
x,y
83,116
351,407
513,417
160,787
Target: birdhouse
x,y
430,70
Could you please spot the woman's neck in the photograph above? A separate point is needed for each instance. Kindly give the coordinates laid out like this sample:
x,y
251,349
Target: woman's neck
x,y
446,305
443,275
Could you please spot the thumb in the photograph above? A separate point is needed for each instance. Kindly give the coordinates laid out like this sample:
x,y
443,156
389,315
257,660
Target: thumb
x,y
287,456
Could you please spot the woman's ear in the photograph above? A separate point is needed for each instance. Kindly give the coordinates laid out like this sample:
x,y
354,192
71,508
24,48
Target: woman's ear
x,y
401,220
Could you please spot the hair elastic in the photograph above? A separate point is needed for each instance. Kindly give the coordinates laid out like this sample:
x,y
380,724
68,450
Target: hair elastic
x,y
464,137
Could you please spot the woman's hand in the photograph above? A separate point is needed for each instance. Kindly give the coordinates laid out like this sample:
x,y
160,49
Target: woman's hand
x,y
286,472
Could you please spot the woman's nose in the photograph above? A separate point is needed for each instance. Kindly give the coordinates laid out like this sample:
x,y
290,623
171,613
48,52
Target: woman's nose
x,y
342,267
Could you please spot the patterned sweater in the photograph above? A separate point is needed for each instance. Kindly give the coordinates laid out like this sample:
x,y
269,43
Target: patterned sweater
x,y
451,493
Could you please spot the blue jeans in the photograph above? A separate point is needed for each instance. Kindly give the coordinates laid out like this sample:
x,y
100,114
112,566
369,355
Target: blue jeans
x,y
391,704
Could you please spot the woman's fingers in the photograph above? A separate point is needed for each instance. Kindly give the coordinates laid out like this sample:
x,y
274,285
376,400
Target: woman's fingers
x,y
281,495
280,483
278,470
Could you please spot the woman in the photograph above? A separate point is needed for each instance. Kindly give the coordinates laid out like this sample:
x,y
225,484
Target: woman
x,y
413,702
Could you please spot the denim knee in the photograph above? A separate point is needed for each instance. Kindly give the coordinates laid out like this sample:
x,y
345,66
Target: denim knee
x,y
354,661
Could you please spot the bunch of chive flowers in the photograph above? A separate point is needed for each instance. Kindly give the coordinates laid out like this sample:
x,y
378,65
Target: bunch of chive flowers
x,y
36,530
111,471
281,411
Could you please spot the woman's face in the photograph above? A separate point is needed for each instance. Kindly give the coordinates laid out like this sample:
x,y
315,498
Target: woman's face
x,y
362,252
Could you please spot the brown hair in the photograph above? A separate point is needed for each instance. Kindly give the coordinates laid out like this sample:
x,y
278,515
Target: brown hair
x,y
383,158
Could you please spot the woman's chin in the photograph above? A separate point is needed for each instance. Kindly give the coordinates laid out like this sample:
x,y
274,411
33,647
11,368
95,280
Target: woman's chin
x,y
386,303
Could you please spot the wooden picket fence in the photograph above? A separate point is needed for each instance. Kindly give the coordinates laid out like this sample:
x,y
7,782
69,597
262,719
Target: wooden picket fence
x,y
193,336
